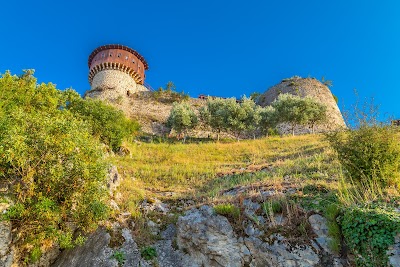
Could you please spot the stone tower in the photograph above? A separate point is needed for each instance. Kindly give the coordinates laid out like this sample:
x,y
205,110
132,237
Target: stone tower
x,y
306,87
115,71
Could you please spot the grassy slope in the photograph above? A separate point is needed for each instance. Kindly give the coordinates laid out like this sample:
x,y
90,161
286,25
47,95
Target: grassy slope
x,y
205,170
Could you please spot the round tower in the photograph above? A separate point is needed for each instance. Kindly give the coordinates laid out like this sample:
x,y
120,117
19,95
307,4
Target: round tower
x,y
115,71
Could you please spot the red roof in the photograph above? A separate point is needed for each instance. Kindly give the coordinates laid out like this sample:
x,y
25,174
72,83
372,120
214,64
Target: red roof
x,y
117,46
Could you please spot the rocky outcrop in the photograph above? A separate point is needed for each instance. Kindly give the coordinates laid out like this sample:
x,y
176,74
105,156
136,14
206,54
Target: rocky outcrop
x,y
209,239
306,87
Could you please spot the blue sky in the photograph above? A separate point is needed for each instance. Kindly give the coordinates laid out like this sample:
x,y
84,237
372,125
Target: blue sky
x,y
223,48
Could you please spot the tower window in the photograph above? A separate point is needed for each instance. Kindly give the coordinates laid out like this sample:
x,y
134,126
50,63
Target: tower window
x,y
110,54
119,54
103,55
133,61
126,57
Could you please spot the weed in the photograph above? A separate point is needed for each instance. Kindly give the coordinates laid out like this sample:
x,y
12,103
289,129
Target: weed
x,y
228,210
120,256
148,253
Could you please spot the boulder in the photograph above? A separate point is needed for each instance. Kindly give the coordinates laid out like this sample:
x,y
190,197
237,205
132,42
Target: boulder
x,y
209,239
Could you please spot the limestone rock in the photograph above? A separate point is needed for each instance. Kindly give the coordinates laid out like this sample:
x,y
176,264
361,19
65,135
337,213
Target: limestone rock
x,y
280,253
209,239
113,179
320,227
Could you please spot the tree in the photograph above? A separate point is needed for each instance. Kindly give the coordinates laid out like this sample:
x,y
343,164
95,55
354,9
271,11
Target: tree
x,y
182,118
268,119
213,115
242,116
315,112
291,109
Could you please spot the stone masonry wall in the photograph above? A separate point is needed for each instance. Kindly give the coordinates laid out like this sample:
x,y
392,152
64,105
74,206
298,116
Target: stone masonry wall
x,y
112,85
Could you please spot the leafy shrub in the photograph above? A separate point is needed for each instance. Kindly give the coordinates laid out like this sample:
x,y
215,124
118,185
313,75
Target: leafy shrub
x,y
369,232
228,210
119,256
106,122
148,253
51,162
370,154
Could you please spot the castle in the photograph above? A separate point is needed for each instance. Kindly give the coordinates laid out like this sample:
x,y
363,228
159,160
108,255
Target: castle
x,y
115,71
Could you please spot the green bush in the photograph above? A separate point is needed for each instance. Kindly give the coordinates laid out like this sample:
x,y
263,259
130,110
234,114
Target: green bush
x,y
368,233
107,123
370,154
52,164
228,210
120,257
148,253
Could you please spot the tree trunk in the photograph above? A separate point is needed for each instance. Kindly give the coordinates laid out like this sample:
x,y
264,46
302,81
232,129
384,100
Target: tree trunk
x,y
292,130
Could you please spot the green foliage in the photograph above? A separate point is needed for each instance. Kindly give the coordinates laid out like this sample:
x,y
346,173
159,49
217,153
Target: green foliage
x,y
290,109
182,118
331,213
51,162
296,110
315,112
107,123
268,120
213,114
241,117
120,257
328,83
255,96
35,254
336,98
148,253
169,95
370,154
369,232
273,206
228,210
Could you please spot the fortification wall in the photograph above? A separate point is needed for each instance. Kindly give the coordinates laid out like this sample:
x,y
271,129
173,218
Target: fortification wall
x,y
113,85
306,87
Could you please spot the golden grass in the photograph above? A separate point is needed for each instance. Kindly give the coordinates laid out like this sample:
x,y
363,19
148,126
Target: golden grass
x,y
190,168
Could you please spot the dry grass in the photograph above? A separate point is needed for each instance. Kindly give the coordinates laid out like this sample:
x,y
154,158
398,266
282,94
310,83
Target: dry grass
x,y
189,168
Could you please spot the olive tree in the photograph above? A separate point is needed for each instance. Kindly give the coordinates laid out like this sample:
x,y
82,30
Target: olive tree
x,y
291,109
213,114
315,112
182,118
268,119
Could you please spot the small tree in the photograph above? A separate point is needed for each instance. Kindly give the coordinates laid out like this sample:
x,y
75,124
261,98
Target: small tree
x,y
213,114
182,118
240,117
315,112
291,109
268,119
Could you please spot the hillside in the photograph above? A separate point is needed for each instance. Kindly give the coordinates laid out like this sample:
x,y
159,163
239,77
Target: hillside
x,y
79,188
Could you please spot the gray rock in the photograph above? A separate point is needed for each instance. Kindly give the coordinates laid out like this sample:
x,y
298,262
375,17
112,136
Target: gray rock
x,y
320,228
280,253
96,253
394,252
113,179
209,240
6,252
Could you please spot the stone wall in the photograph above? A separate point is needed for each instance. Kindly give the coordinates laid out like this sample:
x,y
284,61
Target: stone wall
x,y
113,85
306,87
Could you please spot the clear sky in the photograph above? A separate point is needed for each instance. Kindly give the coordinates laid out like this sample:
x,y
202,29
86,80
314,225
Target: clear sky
x,y
222,48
